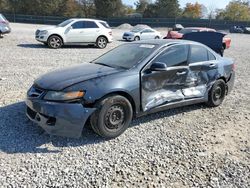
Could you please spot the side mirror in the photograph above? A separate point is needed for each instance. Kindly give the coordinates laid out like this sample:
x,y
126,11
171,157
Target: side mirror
x,y
158,66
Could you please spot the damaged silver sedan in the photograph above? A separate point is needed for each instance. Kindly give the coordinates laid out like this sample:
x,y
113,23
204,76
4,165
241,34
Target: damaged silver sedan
x,y
129,81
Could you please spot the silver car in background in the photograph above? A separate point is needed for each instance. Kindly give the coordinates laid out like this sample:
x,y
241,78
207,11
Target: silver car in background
x,y
141,34
4,26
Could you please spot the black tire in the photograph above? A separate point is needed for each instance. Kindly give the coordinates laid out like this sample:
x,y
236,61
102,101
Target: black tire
x,y
137,38
55,42
217,93
157,37
101,42
1,35
112,117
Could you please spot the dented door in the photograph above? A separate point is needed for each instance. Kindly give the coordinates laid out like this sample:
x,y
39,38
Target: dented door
x,y
163,87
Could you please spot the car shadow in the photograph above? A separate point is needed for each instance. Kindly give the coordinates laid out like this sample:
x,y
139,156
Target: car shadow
x,y
19,135
66,46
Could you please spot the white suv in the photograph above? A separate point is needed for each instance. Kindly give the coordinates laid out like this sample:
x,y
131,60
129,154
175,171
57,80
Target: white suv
x,y
76,32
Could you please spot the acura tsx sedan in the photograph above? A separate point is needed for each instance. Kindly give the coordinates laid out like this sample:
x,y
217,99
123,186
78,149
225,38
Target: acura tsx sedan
x,y
129,81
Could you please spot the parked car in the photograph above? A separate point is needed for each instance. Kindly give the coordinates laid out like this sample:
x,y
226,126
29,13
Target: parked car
x,y
178,27
76,32
179,34
4,26
141,34
129,81
236,29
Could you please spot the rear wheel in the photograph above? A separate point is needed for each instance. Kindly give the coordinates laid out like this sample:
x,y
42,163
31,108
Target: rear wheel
x,y
217,93
112,117
101,42
55,42
157,37
1,34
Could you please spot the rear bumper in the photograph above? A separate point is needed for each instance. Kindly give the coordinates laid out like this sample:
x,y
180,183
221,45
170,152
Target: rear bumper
x,y
62,119
230,83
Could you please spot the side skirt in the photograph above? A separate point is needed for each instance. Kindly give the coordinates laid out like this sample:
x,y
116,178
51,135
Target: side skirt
x,y
173,105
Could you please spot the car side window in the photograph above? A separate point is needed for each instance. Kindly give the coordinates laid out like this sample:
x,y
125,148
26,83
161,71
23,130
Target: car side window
x,y
174,56
78,25
211,56
90,24
198,54
147,31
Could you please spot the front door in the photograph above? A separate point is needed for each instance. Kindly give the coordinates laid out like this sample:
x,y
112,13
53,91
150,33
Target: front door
x,y
82,32
164,87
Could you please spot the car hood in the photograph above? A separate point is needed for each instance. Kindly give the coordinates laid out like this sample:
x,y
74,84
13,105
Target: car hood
x,y
129,33
47,28
63,78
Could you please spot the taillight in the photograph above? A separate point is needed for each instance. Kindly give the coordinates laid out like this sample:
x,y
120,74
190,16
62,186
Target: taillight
x,y
233,66
110,33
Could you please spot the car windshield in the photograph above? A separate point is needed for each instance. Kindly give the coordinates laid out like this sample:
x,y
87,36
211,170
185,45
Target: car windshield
x,y
2,18
63,24
126,56
136,30
185,31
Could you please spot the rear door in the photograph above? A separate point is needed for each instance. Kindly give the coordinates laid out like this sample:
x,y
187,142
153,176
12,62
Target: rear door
x,y
203,70
147,34
163,87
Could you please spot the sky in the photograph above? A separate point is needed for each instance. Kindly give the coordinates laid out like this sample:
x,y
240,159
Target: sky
x,y
207,3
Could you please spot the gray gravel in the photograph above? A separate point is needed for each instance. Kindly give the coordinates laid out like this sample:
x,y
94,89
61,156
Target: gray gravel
x,y
193,146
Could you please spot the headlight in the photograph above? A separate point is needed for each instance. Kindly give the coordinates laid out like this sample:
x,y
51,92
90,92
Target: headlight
x,y
43,32
63,96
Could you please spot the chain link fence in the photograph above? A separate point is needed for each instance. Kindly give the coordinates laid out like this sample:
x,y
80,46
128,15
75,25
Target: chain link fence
x,y
114,22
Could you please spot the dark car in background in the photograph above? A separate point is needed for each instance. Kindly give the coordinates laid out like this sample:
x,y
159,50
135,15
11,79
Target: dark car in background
x,y
179,34
239,29
129,81
4,26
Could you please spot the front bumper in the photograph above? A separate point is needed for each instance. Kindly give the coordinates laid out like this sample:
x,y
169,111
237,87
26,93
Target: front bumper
x,y
6,30
61,119
41,38
129,38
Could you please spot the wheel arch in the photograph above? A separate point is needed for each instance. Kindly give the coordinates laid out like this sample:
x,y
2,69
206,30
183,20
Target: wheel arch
x,y
57,36
124,94
102,36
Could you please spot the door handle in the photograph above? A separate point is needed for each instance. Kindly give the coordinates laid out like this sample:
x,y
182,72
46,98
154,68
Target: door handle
x,y
212,65
81,31
181,73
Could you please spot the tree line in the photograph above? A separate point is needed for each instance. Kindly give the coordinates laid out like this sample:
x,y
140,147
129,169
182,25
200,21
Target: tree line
x,y
236,9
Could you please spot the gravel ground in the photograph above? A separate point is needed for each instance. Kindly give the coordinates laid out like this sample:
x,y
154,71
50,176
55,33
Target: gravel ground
x,y
192,146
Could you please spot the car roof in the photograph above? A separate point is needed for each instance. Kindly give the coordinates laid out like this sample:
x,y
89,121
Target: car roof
x,y
199,28
87,19
165,42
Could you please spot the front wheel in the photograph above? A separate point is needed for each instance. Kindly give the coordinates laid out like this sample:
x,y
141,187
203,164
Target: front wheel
x,y
217,93
101,42
55,42
112,117
136,38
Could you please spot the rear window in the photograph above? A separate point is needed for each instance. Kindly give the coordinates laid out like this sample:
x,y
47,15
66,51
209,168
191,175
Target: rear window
x,y
90,24
105,24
